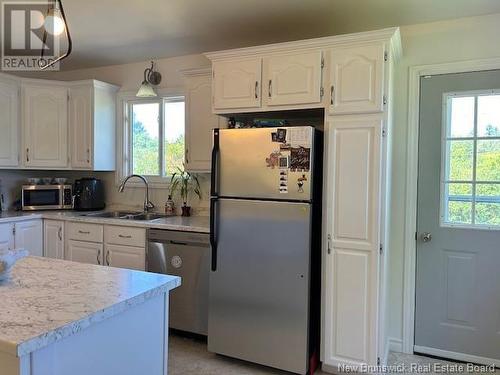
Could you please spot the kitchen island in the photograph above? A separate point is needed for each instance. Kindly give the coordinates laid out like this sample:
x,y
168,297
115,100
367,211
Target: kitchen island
x,y
59,317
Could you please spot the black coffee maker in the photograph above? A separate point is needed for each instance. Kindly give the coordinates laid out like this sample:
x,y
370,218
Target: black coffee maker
x,y
89,194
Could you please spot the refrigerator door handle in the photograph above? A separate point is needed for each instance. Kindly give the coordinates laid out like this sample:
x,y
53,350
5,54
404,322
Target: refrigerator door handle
x,y
215,155
213,237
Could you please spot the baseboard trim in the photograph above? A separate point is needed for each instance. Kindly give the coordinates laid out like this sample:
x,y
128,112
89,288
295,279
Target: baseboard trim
x,y
395,345
457,356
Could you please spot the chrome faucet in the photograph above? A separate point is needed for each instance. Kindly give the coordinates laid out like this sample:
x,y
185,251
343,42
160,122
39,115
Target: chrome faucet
x,y
148,205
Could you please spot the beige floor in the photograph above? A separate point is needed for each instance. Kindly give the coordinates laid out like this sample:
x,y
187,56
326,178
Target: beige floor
x,y
190,357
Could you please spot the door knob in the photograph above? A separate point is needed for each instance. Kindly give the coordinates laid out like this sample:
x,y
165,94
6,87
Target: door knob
x,y
426,237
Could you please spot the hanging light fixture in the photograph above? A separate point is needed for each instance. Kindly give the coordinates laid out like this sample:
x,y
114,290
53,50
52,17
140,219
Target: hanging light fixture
x,y
55,24
151,78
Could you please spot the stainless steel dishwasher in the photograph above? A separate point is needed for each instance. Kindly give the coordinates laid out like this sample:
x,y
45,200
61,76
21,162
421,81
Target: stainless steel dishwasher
x,y
187,255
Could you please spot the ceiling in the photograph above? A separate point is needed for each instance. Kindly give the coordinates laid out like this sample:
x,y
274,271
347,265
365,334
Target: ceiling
x,y
109,32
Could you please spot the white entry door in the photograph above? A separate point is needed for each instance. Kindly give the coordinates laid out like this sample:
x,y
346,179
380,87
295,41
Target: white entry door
x,y
458,235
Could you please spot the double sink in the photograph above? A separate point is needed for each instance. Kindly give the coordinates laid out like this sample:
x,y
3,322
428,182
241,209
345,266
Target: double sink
x,y
127,215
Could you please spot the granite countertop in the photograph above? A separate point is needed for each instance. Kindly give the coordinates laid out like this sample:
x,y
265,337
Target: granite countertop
x,y
188,224
46,300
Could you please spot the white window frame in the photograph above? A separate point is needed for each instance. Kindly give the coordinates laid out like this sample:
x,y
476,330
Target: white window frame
x,y
446,119
124,145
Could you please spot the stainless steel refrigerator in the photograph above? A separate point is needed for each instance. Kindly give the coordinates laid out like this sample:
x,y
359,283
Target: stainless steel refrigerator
x,y
265,239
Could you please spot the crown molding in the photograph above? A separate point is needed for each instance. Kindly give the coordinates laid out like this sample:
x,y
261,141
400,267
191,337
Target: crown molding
x,y
205,71
382,35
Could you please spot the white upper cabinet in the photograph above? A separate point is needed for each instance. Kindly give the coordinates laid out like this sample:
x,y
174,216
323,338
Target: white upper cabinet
x,y
9,124
357,79
237,84
92,125
292,79
80,122
200,121
45,126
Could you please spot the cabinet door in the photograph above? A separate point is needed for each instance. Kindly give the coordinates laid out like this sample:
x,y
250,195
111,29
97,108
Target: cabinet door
x,y
9,125
352,199
53,239
356,77
84,252
45,126
80,126
199,124
237,84
29,236
126,257
6,237
292,79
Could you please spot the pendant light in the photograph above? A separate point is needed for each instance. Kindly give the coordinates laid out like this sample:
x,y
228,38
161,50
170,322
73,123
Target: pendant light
x,y
151,78
55,24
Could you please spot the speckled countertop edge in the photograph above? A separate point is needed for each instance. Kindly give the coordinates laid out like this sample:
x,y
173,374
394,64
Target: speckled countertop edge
x,y
53,335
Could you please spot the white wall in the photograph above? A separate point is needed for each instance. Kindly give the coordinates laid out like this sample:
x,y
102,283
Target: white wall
x,y
456,40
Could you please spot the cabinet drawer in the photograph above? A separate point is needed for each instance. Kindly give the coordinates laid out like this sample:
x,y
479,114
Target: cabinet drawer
x,y
85,232
127,236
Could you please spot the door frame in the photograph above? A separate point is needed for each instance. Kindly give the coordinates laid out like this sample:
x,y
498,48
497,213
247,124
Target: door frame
x,y
410,226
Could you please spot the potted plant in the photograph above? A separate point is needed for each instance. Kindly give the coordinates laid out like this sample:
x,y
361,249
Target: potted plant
x,y
187,183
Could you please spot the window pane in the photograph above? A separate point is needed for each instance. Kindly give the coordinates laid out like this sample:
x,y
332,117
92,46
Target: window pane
x,y
174,136
459,203
459,212
460,160
462,117
488,116
488,160
145,139
488,204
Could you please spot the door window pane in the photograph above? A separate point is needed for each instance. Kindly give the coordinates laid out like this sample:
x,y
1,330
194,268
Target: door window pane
x,y
488,160
460,160
475,159
174,136
488,116
145,139
462,117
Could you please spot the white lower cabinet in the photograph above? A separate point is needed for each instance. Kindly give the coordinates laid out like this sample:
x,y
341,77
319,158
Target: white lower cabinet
x,y
84,252
353,201
6,236
125,257
29,236
109,245
53,239
26,235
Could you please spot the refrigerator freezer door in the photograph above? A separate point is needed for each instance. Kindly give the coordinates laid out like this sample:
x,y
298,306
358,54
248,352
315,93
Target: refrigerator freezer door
x,y
266,163
259,293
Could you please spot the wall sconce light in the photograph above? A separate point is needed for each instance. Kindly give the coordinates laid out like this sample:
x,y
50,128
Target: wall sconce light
x,y
151,78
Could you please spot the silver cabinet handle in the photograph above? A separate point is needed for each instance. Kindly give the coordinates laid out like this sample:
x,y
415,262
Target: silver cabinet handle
x,y
99,256
256,89
107,258
59,233
186,156
27,155
328,245
332,92
426,237
123,236
83,232
88,156
270,87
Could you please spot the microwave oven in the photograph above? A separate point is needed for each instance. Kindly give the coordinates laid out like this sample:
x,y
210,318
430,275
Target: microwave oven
x,y
46,197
